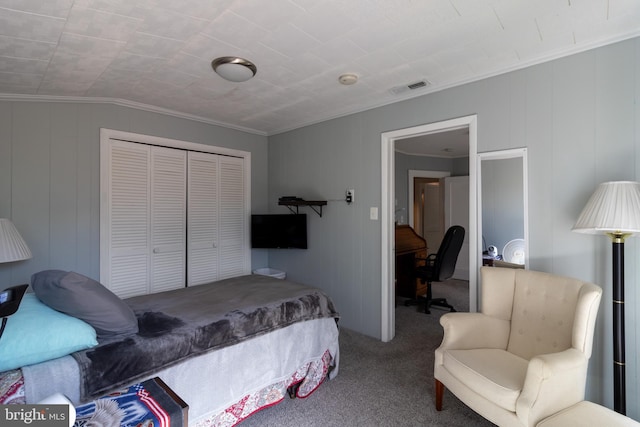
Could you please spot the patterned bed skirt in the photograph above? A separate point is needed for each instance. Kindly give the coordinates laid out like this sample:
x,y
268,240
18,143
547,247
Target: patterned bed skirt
x,y
301,383
304,381
12,387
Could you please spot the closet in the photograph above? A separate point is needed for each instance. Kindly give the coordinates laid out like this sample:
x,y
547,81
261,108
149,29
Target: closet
x,y
170,216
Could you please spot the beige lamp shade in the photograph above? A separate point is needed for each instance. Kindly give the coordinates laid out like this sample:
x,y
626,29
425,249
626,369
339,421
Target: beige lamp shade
x,y
12,245
613,208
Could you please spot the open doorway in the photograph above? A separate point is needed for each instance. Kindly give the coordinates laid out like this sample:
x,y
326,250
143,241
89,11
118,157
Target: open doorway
x,y
388,205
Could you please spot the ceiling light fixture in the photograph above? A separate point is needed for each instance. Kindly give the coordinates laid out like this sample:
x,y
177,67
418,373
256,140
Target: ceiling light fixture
x,y
234,69
348,79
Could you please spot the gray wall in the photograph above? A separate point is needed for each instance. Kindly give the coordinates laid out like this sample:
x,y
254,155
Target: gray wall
x,y
579,118
50,180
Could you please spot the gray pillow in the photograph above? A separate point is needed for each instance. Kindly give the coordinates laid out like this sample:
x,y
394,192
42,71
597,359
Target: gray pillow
x,y
82,297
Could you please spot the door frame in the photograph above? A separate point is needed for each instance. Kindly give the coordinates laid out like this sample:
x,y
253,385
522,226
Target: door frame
x,y
387,199
513,153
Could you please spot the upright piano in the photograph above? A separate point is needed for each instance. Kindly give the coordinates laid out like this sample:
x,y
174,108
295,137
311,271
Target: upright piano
x,y
409,248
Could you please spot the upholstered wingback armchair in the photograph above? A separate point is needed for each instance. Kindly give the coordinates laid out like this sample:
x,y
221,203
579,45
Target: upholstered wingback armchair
x,y
525,355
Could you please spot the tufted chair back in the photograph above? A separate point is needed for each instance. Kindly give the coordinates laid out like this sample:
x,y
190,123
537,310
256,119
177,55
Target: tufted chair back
x,y
542,308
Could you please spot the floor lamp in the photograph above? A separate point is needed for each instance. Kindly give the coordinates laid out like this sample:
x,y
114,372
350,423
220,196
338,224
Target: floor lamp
x,y
614,210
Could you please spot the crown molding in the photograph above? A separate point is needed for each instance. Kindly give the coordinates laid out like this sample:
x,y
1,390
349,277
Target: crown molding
x,y
548,57
559,54
124,103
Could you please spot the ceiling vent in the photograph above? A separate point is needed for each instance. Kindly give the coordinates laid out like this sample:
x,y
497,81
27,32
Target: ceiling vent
x,y
411,86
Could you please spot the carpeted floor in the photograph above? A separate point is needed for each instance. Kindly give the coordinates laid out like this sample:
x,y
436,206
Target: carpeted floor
x,y
383,384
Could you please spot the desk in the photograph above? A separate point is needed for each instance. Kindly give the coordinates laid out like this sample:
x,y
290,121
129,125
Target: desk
x,y
409,247
487,261
492,262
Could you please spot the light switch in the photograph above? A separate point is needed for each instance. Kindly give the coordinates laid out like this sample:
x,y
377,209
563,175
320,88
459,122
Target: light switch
x,y
373,213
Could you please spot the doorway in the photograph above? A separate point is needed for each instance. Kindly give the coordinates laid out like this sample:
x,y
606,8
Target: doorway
x,y
388,198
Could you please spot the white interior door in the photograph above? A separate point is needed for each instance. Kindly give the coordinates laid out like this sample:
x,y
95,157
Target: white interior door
x,y
124,226
203,235
456,212
432,213
233,229
168,219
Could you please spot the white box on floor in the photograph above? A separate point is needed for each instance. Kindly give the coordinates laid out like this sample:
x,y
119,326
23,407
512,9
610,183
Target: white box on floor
x,y
271,272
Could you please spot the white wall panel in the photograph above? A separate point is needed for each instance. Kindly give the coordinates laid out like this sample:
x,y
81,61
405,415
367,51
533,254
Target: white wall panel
x,y
31,179
63,203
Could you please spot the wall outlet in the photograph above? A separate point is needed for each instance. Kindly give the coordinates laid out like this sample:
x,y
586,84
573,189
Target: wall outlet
x,y
349,195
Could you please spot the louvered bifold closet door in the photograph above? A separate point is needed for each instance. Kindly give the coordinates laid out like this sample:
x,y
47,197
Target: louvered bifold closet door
x,y
126,230
233,227
202,229
145,225
168,218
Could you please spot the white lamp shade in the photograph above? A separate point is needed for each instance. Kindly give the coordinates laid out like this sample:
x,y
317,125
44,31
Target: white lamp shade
x,y
613,208
12,245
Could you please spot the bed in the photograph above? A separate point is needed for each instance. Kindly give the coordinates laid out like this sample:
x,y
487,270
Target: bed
x,y
228,348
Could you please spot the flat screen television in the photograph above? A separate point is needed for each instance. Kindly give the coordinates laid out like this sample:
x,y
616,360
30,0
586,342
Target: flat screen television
x,y
279,231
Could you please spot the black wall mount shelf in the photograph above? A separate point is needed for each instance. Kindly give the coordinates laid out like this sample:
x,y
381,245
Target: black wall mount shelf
x,y
294,204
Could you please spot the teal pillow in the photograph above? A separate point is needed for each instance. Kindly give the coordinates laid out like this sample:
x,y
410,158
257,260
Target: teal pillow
x,y
36,333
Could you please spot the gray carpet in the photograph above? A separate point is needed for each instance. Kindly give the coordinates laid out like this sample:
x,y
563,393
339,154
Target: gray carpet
x,y
383,384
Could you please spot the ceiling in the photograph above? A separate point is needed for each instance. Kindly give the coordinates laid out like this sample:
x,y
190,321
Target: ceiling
x,y
157,54
450,144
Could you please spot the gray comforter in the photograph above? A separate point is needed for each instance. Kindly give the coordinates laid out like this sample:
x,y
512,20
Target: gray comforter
x,y
179,324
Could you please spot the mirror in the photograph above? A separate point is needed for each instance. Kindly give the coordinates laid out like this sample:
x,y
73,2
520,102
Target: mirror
x,y
503,231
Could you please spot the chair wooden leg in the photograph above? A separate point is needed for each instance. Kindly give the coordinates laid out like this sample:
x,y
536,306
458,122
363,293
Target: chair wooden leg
x,y
439,393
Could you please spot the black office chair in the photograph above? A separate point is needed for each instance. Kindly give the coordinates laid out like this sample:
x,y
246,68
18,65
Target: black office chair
x,y
440,266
